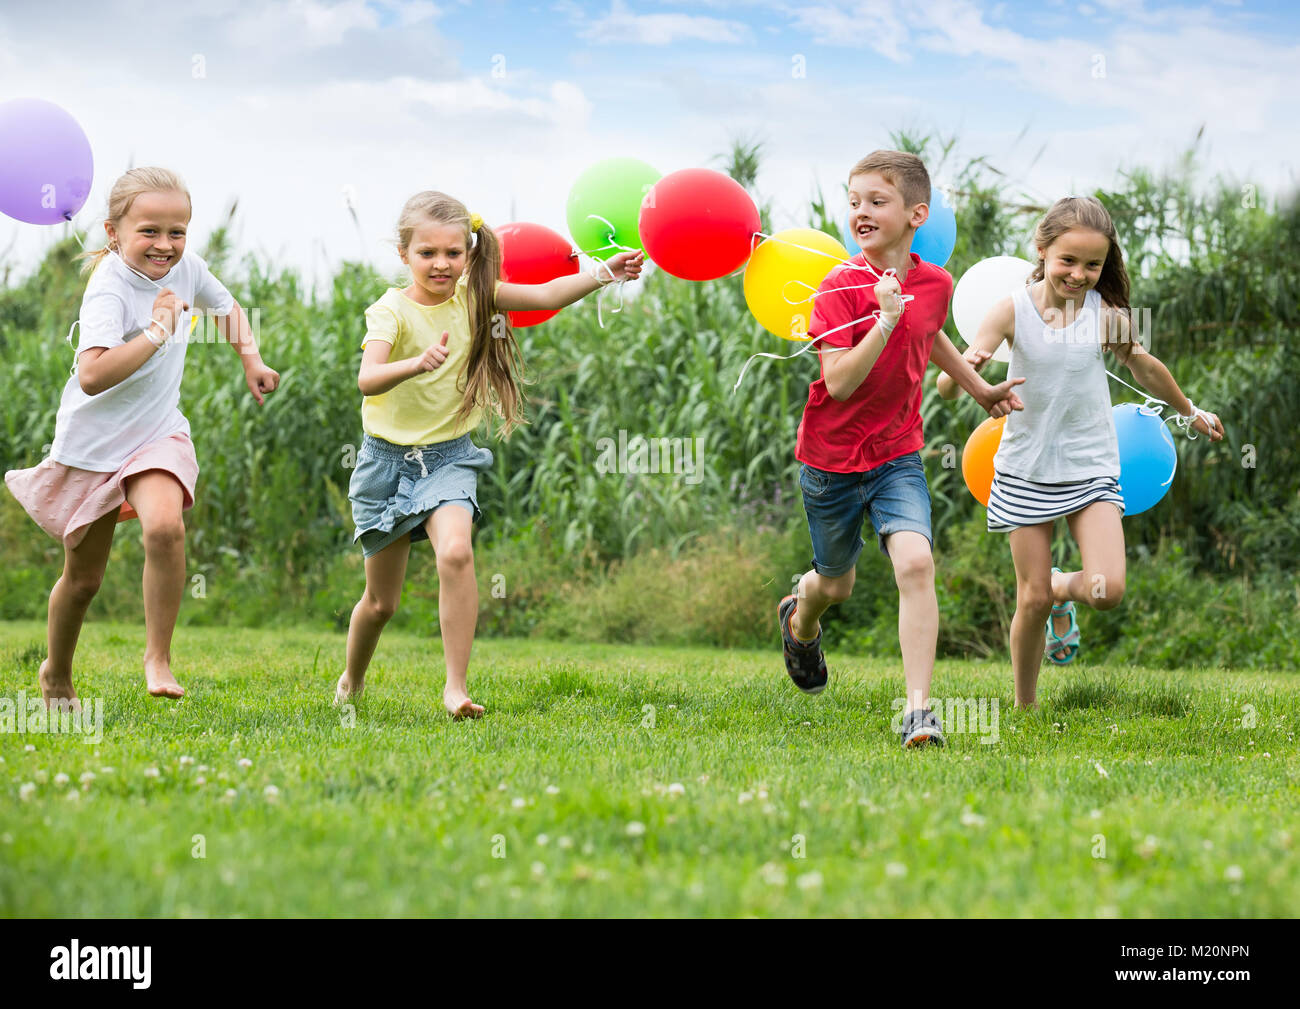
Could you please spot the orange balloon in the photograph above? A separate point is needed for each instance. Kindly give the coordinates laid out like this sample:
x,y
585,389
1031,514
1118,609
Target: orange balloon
x,y
977,458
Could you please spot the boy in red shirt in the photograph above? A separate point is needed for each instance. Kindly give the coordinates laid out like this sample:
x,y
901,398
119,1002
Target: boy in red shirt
x,y
860,436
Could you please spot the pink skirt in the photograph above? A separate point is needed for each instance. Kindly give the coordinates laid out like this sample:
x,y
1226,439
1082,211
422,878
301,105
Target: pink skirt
x,y
64,501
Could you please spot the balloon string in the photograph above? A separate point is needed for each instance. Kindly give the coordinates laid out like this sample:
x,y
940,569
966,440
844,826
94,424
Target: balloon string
x,y
600,264
609,236
875,315
1183,423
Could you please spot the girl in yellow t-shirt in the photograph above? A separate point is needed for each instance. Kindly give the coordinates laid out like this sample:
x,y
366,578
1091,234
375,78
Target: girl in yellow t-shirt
x,y
435,355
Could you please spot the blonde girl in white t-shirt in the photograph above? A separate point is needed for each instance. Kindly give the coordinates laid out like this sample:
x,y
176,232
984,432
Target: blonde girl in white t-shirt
x,y
122,447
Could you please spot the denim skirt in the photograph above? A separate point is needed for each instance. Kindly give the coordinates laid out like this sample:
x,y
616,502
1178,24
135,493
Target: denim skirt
x,y
395,488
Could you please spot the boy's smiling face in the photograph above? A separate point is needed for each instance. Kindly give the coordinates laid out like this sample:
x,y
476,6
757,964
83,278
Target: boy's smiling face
x,y
880,216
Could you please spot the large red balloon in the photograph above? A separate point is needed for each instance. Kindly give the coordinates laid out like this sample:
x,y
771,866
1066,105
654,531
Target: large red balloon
x,y
698,224
532,254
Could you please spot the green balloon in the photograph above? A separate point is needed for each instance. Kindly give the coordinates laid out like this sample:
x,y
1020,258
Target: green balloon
x,y
613,190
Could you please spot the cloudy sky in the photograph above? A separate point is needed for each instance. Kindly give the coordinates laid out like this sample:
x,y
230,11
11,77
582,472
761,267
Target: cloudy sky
x,y
287,105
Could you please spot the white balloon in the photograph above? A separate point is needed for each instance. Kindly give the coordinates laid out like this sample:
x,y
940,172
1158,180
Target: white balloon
x,y
983,286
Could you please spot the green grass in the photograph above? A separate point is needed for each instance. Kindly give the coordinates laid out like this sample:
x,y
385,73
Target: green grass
x,y
400,813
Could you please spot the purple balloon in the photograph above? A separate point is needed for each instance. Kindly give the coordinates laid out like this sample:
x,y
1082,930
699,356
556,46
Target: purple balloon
x,y
46,167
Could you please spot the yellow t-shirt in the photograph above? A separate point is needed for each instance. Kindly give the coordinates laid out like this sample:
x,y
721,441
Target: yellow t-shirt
x,y
422,410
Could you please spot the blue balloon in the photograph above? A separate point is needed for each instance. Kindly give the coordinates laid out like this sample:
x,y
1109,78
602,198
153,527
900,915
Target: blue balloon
x,y
1147,458
934,240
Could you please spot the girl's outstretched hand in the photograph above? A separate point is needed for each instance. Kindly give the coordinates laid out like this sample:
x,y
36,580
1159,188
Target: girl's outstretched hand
x,y
624,266
261,379
1213,426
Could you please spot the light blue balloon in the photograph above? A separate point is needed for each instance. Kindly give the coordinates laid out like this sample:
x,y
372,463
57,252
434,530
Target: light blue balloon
x,y
1147,458
937,237
934,240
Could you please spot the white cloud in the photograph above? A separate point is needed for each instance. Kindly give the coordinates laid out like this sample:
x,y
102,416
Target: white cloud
x,y
309,22
621,25
872,23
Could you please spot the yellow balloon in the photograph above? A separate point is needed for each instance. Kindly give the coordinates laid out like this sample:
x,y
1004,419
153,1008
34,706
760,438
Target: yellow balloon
x,y
783,275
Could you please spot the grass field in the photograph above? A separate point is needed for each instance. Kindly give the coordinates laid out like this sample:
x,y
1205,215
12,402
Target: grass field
x,y
636,781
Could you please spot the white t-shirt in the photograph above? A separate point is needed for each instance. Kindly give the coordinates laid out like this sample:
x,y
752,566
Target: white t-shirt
x,y
1066,432
101,432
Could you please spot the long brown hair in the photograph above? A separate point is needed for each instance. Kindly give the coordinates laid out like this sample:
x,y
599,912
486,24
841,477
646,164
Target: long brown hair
x,y
494,374
1086,212
133,183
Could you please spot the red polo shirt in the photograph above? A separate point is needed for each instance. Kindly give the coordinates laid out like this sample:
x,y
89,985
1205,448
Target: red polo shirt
x,y
882,419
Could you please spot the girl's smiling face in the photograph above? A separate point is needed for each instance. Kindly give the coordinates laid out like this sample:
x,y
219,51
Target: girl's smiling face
x,y
1072,264
151,235
436,256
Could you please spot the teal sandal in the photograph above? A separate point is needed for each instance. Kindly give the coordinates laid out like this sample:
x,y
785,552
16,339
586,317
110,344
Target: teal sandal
x,y
1070,640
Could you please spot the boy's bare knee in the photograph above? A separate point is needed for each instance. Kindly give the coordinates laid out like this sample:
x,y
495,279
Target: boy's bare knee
x,y
914,571
838,589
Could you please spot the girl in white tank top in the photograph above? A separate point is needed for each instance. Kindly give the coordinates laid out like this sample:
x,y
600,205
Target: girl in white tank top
x,y
1059,457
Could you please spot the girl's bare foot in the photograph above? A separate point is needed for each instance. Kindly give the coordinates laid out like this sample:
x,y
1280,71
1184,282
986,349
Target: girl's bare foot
x,y
344,690
459,705
57,691
158,675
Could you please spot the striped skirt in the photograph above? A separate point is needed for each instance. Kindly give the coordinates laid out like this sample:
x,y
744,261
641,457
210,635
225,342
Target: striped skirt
x,y
1014,502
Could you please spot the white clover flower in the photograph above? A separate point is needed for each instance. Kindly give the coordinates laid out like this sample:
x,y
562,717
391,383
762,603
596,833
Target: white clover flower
x,y
87,777
271,792
26,791
552,790
1233,874
1100,770
518,802
971,819
245,763
61,779
772,874
200,780
745,797
543,840
895,870
676,788
635,828
809,880
565,842
151,772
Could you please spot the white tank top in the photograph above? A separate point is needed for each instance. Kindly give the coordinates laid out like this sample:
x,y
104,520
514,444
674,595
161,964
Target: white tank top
x,y
1066,431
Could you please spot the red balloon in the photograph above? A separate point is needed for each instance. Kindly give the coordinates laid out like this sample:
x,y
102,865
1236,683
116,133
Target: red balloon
x,y
698,224
532,254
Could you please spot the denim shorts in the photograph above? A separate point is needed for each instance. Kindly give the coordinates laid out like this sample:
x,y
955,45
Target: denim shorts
x,y
894,494
395,488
